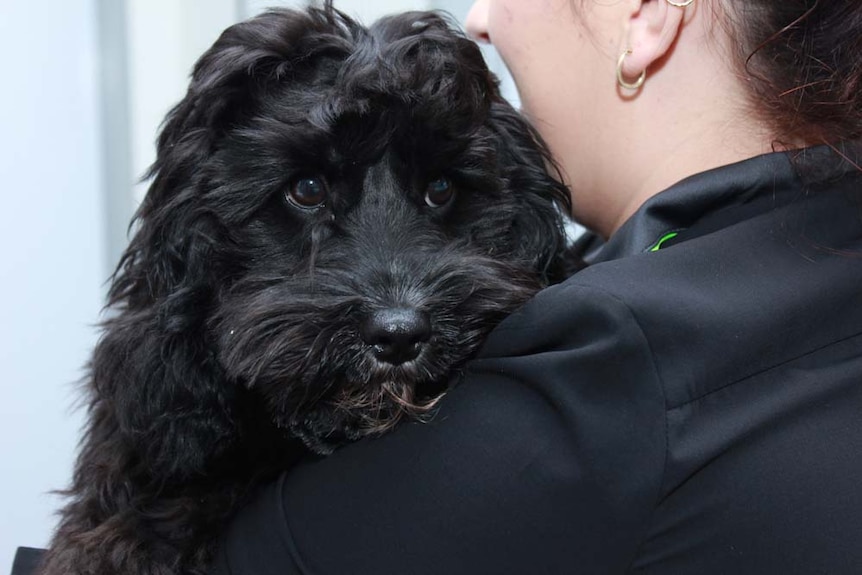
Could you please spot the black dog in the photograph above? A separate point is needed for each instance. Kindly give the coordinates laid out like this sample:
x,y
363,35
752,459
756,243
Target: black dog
x,y
338,216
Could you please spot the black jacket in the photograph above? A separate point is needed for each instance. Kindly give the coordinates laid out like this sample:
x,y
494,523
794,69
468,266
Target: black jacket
x,y
691,409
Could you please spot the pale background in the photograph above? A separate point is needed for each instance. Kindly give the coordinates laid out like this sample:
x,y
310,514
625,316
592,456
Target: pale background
x,y
84,86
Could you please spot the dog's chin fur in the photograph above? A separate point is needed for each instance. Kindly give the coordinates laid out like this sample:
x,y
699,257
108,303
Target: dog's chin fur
x,y
237,327
296,340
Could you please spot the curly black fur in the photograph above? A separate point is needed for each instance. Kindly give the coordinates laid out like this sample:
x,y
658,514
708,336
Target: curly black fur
x,y
236,337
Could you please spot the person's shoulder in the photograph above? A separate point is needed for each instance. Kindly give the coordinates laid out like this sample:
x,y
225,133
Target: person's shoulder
x,y
724,304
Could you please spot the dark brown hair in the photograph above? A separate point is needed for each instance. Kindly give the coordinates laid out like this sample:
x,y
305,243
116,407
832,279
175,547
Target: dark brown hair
x,y
803,62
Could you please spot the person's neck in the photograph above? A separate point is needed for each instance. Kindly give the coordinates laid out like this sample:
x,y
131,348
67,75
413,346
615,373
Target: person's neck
x,y
669,163
688,128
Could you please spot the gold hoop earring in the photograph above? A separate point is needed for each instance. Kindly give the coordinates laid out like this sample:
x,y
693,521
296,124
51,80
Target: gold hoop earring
x,y
680,4
621,81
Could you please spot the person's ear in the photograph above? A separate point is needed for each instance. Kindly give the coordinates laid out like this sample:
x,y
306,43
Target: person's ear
x,y
652,28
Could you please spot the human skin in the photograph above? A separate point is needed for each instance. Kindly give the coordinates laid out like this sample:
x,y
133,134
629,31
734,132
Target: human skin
x,y
617,147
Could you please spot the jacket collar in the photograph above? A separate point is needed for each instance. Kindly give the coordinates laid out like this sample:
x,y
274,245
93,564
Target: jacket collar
x,y
708,200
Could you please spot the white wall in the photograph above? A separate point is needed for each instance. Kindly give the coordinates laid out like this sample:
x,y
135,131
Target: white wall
x,y
51,252
165,38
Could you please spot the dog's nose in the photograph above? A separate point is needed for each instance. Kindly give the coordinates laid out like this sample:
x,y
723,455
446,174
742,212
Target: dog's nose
x,y
396,335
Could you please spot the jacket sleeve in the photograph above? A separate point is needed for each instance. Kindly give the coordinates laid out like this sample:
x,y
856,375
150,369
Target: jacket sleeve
x,y
546,458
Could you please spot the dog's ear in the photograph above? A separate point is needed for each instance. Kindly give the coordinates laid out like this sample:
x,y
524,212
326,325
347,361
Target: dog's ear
x,y
157,386
226,83
538,231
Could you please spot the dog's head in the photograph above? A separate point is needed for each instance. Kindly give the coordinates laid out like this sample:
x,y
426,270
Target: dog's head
x,y
338,216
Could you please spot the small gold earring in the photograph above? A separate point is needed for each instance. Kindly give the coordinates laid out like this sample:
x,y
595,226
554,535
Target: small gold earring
x,y
622,82
680,4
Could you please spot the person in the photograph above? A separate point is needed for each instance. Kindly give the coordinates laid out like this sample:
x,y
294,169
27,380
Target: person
x,y
691,402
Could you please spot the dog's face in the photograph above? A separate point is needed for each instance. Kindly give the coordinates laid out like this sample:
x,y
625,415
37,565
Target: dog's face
x,y
339,216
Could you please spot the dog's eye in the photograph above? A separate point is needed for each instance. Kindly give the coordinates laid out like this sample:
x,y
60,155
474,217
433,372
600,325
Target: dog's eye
x,y
307,193
439,193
